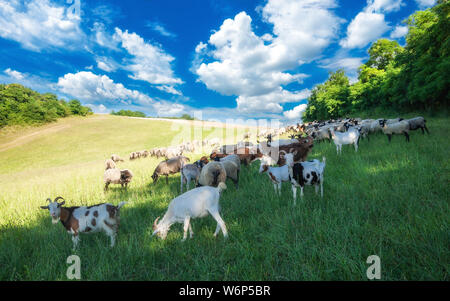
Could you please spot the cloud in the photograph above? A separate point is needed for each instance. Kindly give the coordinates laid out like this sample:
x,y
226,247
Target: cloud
x,y
98,108
149,62
166,109
370,24
14,74
102,38
296,112
255,68
399,32
39,24
365,28
386,6
107,64
88,87
270,102
349,64
159,28
425,3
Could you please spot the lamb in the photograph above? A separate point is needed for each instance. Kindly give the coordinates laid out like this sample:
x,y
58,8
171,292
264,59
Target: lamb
x,y
278,175
76,220
116,158
212,174
110,164
399,128
191,172
349,137
308,173
168,167
418,123
195,203
117,176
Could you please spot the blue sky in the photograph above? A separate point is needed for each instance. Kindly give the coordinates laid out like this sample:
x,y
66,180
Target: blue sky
x,y
225,58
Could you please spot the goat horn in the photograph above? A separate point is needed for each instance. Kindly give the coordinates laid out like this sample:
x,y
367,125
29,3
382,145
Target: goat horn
x,y
49,200
155,223
59,198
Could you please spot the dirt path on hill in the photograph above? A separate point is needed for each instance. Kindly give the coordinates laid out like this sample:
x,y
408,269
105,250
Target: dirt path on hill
x,y
29,137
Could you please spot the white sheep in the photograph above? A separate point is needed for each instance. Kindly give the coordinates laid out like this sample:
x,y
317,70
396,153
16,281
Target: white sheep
x,y
195,203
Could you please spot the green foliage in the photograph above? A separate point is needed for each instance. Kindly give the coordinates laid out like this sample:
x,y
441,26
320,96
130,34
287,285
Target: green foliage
x,y
20,105
184,116
129,113
404,79
330,98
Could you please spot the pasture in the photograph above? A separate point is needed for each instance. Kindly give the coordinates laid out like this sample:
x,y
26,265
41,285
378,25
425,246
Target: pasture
x,y
390,200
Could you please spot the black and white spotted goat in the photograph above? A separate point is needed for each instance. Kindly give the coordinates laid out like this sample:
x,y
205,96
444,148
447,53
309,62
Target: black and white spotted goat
x,y
84,219
308,173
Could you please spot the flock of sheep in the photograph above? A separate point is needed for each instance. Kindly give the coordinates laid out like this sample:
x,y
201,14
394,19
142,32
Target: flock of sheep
x,y
283,160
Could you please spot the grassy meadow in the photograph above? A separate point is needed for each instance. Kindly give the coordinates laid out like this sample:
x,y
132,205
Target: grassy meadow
x,y
390,200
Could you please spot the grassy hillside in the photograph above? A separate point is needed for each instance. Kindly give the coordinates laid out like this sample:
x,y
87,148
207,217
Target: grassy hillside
x,y
391,200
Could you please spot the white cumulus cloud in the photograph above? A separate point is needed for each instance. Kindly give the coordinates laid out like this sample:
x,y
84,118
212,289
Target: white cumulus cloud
x,y
14,74
150,63
399,32
88,86
256,68
39,24
296,112
425,3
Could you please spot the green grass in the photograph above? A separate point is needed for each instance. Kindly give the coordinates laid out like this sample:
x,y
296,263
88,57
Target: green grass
x,y
390,200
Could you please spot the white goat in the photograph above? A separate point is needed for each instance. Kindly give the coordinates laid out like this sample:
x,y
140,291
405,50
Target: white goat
x,y
194,203
280,174
349,137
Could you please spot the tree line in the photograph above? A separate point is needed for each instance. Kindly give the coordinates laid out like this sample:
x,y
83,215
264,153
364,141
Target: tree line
x,y
411,78
20,105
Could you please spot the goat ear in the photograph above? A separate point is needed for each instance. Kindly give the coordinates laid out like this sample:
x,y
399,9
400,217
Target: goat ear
x,y
155,232
44,207
62,203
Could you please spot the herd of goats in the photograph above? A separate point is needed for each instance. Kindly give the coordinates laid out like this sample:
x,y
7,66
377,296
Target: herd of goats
x,y
283,160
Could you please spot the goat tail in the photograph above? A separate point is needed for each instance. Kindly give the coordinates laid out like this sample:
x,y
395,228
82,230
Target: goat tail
x,y
222,186
324,160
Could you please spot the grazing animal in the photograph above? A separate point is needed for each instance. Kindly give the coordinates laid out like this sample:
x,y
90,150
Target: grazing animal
x,y
169,167
191,172
301,149
110,164
349,137
212,174
117,176
76,220
278,174
195,203
418,123
398,128
308,173
116,158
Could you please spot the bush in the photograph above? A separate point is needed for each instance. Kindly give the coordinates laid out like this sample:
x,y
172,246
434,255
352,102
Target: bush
x,y
20,105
